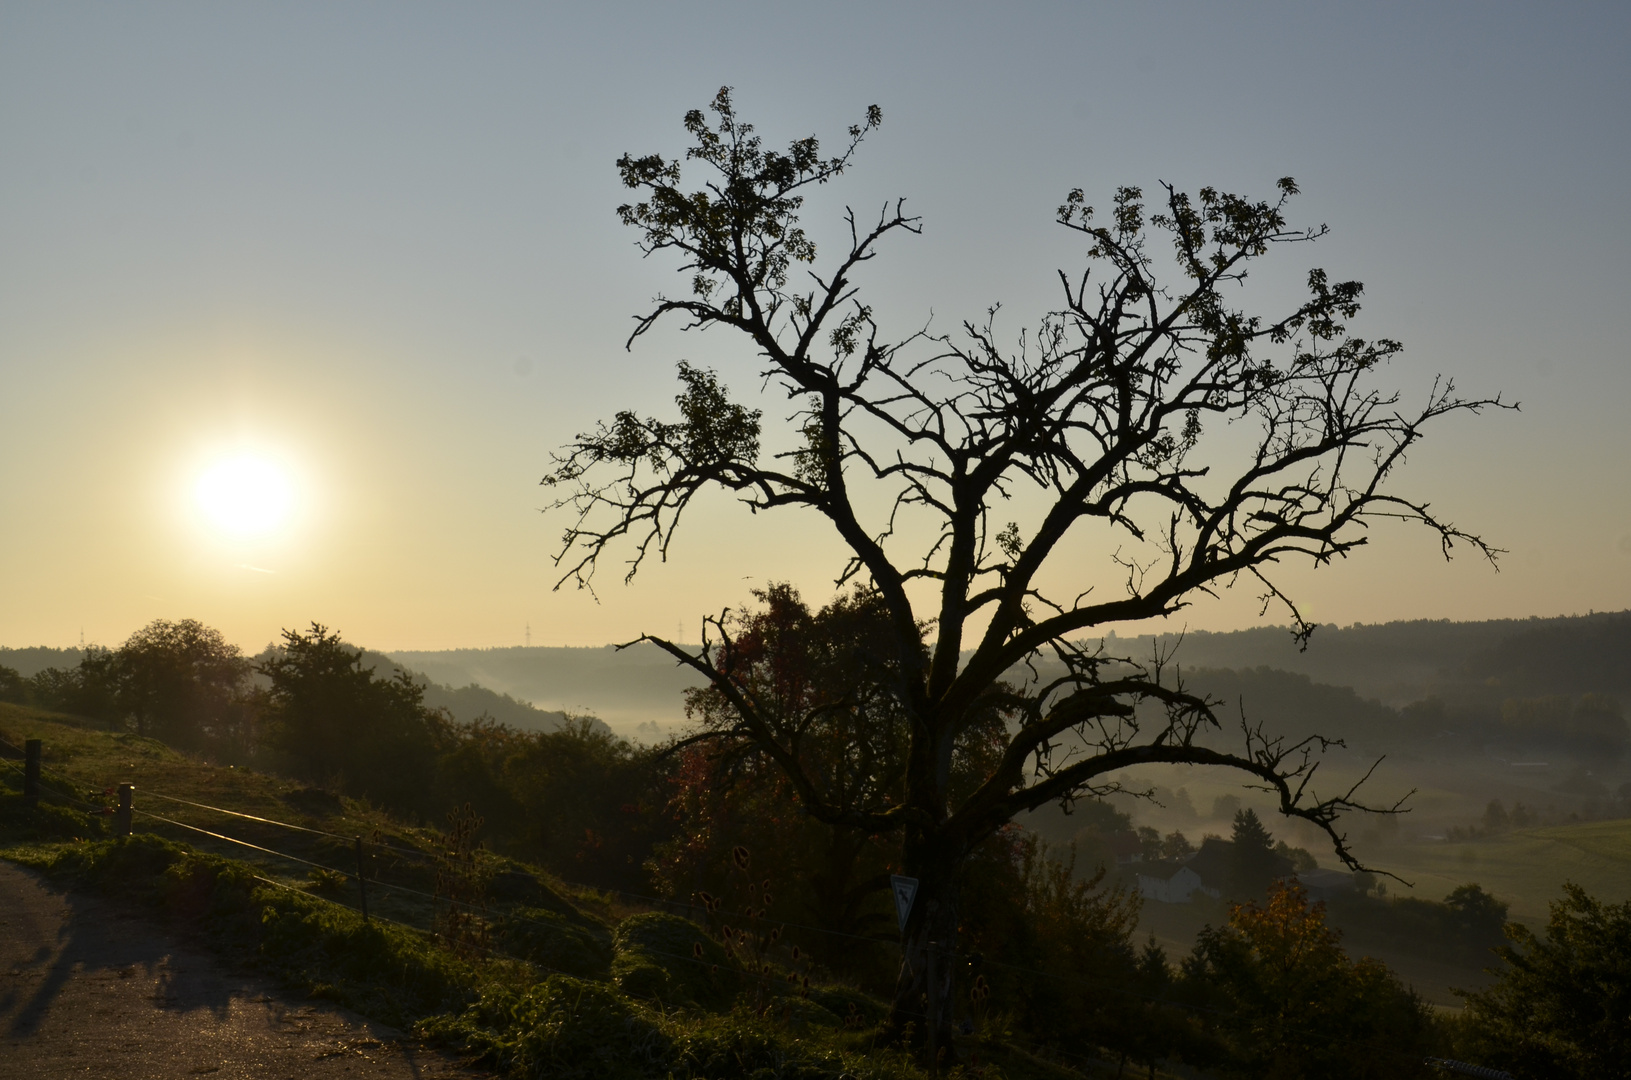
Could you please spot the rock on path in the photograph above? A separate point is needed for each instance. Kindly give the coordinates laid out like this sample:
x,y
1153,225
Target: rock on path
x,y
88,989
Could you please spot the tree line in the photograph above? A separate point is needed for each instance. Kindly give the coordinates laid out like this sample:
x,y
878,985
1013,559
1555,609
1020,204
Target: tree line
x,y
1049,944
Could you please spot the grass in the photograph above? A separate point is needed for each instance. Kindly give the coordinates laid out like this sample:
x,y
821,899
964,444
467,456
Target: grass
x,y
1525,867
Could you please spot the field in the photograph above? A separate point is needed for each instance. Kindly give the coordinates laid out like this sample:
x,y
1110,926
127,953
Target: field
x,y
1526,867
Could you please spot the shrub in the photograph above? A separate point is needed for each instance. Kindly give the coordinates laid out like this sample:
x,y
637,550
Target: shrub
x,y
741,1047
563,1028
668,959
551,940
21,823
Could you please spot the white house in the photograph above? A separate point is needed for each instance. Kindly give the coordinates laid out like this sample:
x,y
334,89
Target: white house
x,y
1172,888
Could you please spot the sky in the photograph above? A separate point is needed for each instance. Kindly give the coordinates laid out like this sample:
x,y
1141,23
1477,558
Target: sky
x,y
373,248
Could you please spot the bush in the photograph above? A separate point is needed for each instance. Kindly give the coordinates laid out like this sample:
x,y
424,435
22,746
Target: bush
x,y
563,1028
739,1047
382,970
21,823
667,959
551,940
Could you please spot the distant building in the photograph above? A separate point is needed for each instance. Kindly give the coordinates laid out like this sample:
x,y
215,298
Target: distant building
x,y
1170,883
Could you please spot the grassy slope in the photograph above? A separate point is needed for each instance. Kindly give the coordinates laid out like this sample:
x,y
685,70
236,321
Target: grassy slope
x,y
527,1021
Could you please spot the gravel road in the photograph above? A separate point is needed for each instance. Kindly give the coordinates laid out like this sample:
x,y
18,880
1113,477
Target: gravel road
x,y
89,989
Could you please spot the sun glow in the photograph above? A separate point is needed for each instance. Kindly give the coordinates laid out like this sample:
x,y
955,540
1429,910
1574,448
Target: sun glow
x,y
245,496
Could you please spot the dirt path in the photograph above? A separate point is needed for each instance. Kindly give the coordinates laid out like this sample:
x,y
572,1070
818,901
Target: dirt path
x,y
87,989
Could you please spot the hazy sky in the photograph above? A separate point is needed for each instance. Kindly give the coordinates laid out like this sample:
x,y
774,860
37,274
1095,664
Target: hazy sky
x,y
374,245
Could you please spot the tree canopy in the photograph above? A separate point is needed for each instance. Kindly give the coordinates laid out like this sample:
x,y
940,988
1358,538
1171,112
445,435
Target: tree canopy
x,y
1562,1004
1102,418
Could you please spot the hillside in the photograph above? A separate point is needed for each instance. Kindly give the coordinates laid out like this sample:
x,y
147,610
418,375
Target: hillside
x,y
494,960
1349,673
638,691
1400,662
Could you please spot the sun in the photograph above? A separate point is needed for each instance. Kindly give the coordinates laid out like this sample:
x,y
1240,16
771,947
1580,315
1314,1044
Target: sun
x,y
245,496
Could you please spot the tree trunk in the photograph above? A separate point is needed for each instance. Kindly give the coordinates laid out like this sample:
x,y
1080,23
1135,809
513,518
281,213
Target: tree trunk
x,y
923,990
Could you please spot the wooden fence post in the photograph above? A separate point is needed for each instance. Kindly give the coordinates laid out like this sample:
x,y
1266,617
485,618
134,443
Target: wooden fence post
x,y
362,882
122,817
31,772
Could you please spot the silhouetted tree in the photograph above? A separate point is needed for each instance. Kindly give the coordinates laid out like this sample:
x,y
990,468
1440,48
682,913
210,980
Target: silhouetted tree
x,y
583,802
1095,434
89,689
339,722
13,687
182,683
1252,861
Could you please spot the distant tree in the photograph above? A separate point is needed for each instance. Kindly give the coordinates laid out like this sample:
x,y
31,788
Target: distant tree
x,y
1253,863
1289,1004
1496,818
182,683
13,687
1298,860
1480,916
1592,726
578,799
1096,433
1101,816
1562,1005
1175,845
338,722
90,689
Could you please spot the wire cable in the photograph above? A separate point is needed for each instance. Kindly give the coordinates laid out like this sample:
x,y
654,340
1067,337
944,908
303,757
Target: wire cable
x,y
247,817
244,843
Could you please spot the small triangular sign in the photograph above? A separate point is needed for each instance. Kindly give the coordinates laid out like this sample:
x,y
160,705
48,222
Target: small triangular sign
x,y
905,889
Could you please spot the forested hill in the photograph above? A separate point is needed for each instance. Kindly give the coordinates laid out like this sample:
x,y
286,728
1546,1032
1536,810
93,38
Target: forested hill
x,y
640,685
1358,675
470,701
31,661
1401,662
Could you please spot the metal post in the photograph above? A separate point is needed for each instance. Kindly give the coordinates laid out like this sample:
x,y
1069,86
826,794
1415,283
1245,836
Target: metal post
x,y
126,811
31,772
362,882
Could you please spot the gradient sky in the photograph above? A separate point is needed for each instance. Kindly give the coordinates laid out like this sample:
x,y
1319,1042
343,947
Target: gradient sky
x,y
376,243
